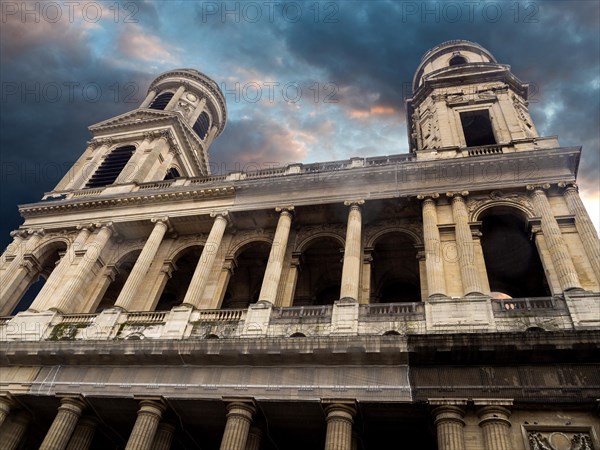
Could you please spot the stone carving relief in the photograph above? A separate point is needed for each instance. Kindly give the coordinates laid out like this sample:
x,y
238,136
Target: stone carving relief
x,y
307,232
559,440
519,200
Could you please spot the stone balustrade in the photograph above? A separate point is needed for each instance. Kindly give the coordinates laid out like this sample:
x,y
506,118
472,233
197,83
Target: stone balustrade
x,y
518,314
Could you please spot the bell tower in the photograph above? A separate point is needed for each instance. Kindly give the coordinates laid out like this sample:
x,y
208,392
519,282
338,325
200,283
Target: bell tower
x,y
465,103
167,136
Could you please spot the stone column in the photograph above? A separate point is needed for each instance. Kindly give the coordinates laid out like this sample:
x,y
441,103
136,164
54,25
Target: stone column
x,y
148,417
16,271
496,427
270,284
173,102
5,404
561,259
254,435
13,430
55,280
239,418
84,434
193,296
291,280
14,249
64,423
140,269
148,100
352,250
75,284
339,418
434,263
585,227
163,437
449,423
365,291
471,280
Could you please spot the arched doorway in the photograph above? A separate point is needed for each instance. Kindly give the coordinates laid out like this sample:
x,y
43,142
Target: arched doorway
x,y
395,270
320,275
245,283
511,258
184,265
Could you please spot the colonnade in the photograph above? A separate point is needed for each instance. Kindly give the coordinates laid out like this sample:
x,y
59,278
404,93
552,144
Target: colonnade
x,y
85,251
73,427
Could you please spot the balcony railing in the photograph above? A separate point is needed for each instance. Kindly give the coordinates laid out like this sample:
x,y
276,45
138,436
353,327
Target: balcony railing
x,y
484,150
296,312
391,309
222,315
147,317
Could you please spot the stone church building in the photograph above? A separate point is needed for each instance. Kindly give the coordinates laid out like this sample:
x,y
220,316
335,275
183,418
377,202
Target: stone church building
x,y
443,299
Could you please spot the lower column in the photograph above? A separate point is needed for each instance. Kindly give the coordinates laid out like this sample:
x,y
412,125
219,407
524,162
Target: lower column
x,y
11,434
339,417
84,434
496,427
253,442
449,423
143,432
5,405
163,436
239,418
64,423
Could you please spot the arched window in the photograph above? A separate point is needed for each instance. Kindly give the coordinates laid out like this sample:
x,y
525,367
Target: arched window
x,y
32,283
320,274
511,258
111,167
245,283
395,270
123,267
161,101
202,124
456,60
184,265
172,173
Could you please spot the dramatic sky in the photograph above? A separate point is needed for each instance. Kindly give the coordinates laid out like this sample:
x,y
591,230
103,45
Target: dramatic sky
x,y
304,81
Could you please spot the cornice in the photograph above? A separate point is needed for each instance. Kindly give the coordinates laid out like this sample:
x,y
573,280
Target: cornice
x,y
127,200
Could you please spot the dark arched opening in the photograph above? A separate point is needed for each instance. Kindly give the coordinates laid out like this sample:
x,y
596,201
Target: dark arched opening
x,y
320,273
161,101
111,166
245,283
477,128
122,271
184,265
172,173
48,257
395,270
511,258
202,125
456,60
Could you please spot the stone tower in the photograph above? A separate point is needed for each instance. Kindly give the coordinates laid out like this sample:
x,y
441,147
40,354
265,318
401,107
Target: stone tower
x,y
444,299
168,136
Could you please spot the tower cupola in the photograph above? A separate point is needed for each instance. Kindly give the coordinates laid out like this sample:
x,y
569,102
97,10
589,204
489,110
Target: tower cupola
x,y
465,103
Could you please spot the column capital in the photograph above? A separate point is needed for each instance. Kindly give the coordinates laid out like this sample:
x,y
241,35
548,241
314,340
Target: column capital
x,y
75,404
242,408
449,413
221,214
493,414
153,407
285,209
538,187
18,233
163,220
108,225
339,409
85,226
428,196
36,232
568,186
457,195
354,203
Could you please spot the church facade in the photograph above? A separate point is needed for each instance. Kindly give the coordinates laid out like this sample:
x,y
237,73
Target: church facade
x,y
447,298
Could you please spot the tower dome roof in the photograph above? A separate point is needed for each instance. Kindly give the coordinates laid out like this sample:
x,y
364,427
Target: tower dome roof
x,y
449,53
